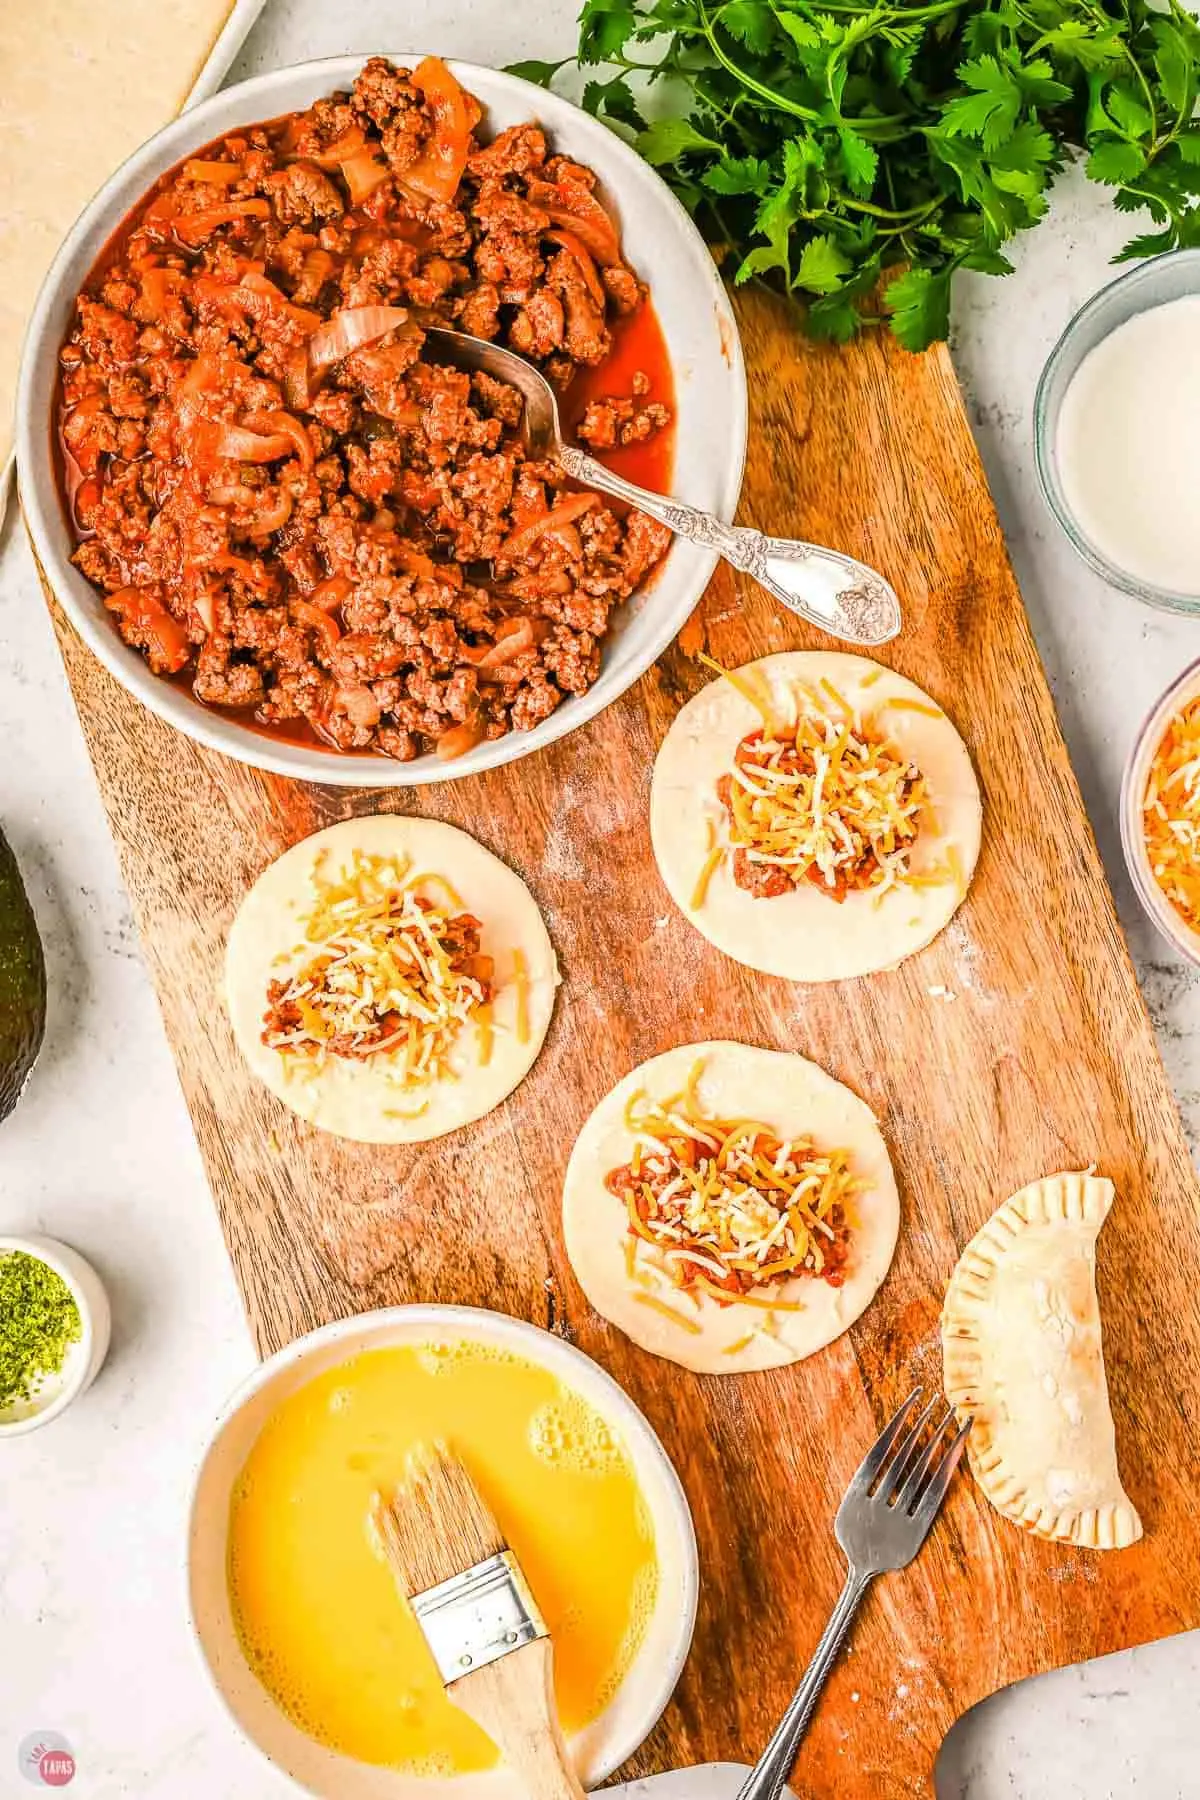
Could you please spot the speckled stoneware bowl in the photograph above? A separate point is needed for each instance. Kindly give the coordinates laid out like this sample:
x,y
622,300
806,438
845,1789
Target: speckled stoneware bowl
x,y
661,244
649,1681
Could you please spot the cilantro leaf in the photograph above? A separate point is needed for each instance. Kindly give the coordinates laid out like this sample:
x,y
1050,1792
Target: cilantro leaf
x,y
919,303
604,28
750,21
990,110
737,175
540,73
860,161
822,266
1114,162
668,139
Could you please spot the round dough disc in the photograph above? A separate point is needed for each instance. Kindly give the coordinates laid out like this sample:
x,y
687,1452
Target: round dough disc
x,y
355,1099
792,1096
804,935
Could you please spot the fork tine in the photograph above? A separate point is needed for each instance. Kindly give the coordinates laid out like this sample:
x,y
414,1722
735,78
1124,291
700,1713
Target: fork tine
x,y
906,1492
897,1473
929,1502
872,1463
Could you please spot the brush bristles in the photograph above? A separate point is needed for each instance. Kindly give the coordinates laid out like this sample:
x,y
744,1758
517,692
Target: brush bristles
x,y
436,1523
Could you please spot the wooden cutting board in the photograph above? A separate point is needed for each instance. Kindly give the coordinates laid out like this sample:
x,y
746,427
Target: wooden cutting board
x,y
1016,1045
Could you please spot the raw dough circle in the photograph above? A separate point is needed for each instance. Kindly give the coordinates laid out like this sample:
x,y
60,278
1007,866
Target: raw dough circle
x,y
355,1099
795,1098
804,935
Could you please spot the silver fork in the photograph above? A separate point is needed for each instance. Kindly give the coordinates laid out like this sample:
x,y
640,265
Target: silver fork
x,y
881,1524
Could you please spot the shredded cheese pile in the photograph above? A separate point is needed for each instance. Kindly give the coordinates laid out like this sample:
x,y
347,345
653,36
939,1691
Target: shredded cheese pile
x,y
1171,814
827,800
729,1206
385,970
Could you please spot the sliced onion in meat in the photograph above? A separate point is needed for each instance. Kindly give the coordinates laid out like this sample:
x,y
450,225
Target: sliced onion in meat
x,y
271,515
437,171
193,228
330,593
242,445
565,513
363,173
335,154
460,738
575,208
152,627
283,424
575,248
325,627
513,638
214,174
349,330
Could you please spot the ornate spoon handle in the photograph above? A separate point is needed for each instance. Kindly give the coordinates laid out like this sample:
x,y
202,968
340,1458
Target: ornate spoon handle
x,y
834,592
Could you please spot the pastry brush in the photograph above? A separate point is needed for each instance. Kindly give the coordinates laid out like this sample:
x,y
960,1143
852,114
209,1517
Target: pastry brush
x,y
477,1615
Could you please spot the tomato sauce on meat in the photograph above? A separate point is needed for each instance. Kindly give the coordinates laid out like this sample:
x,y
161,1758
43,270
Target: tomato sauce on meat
x,y
288,507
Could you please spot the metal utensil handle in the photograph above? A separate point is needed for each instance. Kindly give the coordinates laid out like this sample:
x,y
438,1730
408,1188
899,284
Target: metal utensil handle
x,y
768,1778
854,604
684,520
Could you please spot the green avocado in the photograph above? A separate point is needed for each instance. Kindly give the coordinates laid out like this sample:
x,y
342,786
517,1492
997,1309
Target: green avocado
x,y
22,983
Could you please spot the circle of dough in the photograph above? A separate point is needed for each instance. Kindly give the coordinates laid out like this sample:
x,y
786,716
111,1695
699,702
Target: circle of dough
x,y
804,935
354,1099
794,1098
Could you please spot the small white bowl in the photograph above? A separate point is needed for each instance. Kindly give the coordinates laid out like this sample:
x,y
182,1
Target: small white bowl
x,y
662,245
83,1359
649,1682
1171,923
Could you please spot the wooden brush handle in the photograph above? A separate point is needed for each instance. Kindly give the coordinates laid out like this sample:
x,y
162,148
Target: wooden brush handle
x,y
512,1699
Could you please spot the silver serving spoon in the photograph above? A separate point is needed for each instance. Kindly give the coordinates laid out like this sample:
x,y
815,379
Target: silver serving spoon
x,y
834,592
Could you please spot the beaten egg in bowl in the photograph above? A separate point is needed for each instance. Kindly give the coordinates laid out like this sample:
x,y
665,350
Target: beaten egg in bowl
x,y
298,1615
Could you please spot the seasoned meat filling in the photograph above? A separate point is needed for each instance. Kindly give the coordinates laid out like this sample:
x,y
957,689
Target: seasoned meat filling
x,y
283,500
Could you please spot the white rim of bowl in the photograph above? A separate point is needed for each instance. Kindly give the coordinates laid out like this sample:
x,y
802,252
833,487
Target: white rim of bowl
x,y
1045,455
551,1352
346,769
49,1250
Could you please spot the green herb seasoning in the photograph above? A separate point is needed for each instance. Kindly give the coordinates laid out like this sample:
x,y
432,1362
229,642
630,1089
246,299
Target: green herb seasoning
x,y
39,1321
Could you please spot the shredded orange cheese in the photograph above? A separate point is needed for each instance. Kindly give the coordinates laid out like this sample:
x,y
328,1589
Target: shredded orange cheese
x,y
1171,814
728,1206
380,973
668,1312
827,796
521,981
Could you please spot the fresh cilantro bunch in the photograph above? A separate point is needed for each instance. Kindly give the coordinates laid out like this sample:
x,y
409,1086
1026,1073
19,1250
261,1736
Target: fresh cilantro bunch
x,y
823,144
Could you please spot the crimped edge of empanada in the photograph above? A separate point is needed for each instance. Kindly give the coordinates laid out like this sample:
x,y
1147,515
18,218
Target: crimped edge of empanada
x,y
1077,1198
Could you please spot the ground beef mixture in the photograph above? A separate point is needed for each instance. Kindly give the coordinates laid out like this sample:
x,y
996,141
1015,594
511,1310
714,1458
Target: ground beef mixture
x,y
610,422
282,501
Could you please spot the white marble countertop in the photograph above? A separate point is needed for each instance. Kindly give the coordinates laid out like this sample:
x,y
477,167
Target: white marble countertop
x,y
93,1636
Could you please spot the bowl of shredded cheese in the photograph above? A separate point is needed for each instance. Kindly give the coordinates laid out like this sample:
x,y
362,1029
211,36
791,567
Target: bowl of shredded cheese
x,y
1160,814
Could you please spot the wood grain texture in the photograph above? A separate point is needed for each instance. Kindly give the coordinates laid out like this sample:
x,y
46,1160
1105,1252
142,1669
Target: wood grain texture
x,y
1043,1060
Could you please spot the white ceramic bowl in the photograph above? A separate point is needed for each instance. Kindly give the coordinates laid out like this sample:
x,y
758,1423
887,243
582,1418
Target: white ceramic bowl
x,y
651,1678
660,242
84,1358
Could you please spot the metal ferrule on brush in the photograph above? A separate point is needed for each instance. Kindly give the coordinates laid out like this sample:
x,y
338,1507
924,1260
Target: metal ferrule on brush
x,y
479,1616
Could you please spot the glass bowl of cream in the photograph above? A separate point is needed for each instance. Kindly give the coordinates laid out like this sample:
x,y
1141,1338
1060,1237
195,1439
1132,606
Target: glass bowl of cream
x,y
1115,431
